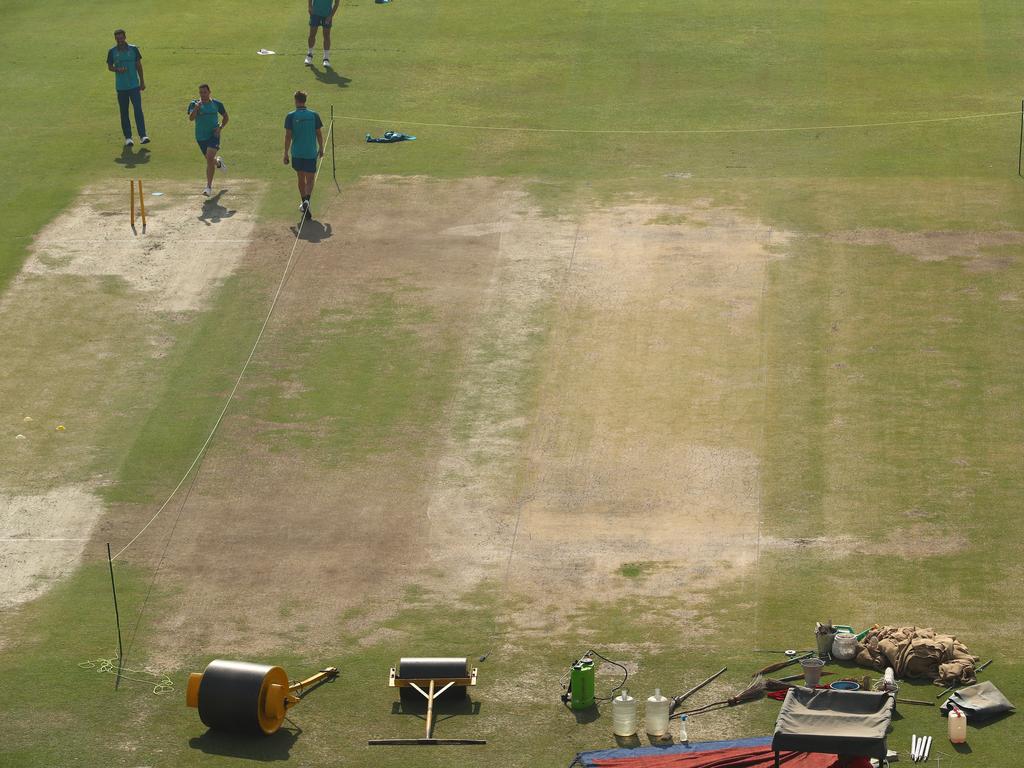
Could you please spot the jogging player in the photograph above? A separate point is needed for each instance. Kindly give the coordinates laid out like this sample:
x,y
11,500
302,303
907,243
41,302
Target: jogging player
x,y
210,118
125,61
303,135
321,14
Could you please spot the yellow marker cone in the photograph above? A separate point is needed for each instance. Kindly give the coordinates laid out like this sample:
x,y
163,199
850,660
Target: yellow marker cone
x,y
60,427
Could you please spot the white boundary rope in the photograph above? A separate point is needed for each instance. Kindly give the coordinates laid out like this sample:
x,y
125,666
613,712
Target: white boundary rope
x,y
241,374
679,131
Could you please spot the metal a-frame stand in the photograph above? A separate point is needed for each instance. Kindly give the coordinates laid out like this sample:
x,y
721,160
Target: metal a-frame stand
x,y
434,688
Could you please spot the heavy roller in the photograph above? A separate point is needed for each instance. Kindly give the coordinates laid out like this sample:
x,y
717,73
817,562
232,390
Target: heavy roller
x,y
247,698
430,678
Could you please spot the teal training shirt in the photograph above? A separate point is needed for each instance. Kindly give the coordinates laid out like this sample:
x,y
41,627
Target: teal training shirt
x,y
303,124
207,119
322,7
125,81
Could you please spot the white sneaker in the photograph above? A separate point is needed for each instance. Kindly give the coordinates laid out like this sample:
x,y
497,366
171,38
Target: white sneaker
x,y
327,63
207,191
221,165
309,60
129,143
145,140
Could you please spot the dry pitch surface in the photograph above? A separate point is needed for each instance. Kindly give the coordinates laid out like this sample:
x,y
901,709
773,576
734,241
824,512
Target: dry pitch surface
x,y
604,369
87,326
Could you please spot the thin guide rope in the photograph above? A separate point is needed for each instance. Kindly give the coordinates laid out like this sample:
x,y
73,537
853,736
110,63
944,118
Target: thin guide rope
x,y
678,131
241,374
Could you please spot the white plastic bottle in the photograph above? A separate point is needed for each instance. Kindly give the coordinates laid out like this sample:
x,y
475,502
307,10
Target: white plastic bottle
x,y
624,714
956,721
683,738
656,714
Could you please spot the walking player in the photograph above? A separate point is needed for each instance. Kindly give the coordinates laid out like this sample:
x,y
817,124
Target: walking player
x,y
206,113
125,61
321,14
304,137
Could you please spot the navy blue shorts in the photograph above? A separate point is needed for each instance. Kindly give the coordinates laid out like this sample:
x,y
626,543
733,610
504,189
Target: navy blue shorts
x,y
211,143
320,21
304,164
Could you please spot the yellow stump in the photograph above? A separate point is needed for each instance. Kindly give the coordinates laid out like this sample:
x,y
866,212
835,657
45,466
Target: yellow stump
x,y
142,206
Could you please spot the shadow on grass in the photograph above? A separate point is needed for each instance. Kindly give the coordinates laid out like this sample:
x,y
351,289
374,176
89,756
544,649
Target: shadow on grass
x,y
588,715
330,77
445,708
213,212
262,748
129,158
312,231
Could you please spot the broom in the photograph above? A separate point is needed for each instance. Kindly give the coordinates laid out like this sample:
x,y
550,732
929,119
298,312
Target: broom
x,y
783,664
753,692
677,701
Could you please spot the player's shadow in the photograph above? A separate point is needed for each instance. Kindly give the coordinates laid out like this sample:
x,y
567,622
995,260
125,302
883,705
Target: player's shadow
x,y
312,231
129,158
213,212
330,77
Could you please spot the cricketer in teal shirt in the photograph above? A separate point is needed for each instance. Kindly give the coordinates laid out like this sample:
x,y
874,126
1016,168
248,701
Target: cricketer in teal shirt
x,y
321,14
207,121
125,61
322,8
304,123
210,117
304,139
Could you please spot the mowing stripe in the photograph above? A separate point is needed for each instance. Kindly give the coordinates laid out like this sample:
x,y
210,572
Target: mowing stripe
x,y
252,352
16,538
673,131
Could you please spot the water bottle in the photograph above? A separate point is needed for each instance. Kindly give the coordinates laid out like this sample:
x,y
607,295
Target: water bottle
x,y
957,723
624,714
656,714
683,738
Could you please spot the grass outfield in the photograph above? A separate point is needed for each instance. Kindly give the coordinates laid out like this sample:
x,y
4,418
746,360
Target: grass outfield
x,y
810,411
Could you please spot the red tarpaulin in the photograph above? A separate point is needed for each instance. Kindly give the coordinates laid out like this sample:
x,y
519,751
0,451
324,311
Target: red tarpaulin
x,y
748,753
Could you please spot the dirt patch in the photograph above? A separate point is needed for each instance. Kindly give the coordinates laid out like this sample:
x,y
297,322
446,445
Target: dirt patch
x,y
41,539
87,325
345,530
620,461
191,243
980,251
599,367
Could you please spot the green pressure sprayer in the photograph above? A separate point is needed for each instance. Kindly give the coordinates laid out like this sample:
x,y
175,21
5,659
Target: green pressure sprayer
x,y
581,684
579,694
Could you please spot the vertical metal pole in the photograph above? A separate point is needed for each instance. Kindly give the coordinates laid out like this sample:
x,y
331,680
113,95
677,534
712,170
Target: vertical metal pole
x,y
334,165
117,615
1020,146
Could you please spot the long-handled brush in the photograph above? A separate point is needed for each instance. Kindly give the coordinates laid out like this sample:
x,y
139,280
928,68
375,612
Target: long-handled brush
x,y
752,692
783,664
678,700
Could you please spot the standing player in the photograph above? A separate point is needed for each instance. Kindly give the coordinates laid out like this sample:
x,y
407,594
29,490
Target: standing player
x,y
206,113
125,61
304,137
321,14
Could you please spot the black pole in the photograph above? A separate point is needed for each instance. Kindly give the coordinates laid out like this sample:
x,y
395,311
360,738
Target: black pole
x,y
117,618
334,165
1020,146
